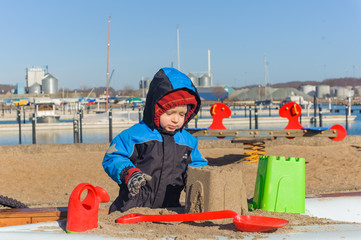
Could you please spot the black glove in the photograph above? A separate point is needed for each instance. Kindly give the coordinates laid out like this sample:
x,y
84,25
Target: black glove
x,y
136,181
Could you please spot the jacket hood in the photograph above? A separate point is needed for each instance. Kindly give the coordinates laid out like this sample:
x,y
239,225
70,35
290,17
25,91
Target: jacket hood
x,y
166,81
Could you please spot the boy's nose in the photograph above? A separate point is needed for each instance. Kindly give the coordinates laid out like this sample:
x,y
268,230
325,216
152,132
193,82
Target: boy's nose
x,y
175,118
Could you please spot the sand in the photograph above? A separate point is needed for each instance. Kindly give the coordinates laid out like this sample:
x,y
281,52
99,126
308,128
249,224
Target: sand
x,y
45,175
191,230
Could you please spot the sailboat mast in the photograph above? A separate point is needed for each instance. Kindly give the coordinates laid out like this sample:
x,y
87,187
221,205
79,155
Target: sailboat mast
x,y
178,49
108,65
265,76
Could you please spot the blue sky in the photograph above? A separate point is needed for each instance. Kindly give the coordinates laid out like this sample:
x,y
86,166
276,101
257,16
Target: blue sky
x,y
302,40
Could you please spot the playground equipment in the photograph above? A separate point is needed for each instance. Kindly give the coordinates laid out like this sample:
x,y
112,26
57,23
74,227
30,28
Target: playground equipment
x,y
219,111
254,139
254,149
292,111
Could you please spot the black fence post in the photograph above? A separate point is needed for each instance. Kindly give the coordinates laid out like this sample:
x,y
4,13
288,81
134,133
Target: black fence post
x,y
255,117
3,110
75,130
23,113
81,124
110,125
320,115
33,122
19,122
245,111
250,117
315,110
140,115
346,110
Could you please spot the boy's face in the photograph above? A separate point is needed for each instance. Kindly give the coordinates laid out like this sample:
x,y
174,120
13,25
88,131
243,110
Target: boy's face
x,y
173,118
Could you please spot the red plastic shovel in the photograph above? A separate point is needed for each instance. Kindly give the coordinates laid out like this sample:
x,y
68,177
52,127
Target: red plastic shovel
x,y
244,223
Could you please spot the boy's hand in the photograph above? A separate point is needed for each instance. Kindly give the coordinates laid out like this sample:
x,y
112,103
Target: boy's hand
x,y
136,181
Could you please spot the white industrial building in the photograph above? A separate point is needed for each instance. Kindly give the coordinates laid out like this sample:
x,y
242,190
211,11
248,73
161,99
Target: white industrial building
x,y
38,80
203,80
323,91
309,89
49,84
35,75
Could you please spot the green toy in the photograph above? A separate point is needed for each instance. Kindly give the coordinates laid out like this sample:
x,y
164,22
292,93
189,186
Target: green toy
x,y
280,184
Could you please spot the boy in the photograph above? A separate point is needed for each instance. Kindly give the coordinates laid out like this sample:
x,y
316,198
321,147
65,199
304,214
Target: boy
x,y
149,161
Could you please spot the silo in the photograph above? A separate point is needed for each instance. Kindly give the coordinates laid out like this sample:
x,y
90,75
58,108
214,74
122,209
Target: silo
x,y
147,82
358,90
342,92
144,83
333,91
194,79
205,81
322,91
35,88
50,84
308,89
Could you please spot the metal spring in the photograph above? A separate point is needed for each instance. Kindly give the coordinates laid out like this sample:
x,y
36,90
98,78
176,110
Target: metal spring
x,y
254,150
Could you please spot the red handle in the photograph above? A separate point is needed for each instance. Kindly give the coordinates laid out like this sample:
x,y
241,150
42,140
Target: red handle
x,y
137,217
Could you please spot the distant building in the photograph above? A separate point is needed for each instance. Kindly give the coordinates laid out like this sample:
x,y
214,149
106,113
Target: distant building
x,y
20,88
144,86
194,79
309,89
144,83
38,81
35,88
215,93
323,91
35,75
203,80
358,90
49,84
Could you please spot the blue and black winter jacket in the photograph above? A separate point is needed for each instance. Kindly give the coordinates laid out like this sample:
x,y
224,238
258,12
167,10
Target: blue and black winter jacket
x,y
163,155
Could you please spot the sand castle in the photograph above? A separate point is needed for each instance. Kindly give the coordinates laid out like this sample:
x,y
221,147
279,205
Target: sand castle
x,y
215,188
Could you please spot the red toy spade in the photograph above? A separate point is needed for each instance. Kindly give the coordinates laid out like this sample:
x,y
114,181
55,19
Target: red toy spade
x,y
244,223
83,214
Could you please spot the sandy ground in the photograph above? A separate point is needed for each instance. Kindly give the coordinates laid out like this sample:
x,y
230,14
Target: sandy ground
x,y
45,175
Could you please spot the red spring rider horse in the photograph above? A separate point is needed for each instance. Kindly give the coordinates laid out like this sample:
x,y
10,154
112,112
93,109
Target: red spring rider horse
x,y
218,112
292,111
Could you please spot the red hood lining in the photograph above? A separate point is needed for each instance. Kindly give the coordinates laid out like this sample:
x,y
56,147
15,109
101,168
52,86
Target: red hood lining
x,y
174,99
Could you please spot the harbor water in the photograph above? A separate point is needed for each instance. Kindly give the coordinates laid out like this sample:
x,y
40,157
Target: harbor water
x,y
101,135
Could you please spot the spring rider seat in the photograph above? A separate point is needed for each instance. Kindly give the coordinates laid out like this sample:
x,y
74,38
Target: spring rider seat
x,y
218,112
